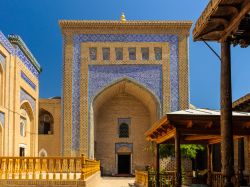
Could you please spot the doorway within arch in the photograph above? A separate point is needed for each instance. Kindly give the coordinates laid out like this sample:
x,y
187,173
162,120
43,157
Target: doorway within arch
x,y
122,113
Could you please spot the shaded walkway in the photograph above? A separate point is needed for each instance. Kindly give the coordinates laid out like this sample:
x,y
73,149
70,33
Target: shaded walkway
x,y
116,181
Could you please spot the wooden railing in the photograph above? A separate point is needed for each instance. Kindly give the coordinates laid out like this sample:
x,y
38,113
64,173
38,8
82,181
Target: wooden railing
x,y
148,179
49,168
218,179
141,178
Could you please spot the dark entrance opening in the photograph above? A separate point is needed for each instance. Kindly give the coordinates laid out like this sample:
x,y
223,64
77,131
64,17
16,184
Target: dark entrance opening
x,y
124,164
21,151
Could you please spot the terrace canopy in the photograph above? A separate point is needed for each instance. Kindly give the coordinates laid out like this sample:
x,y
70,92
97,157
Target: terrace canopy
x,y
194,126
227,22
224,20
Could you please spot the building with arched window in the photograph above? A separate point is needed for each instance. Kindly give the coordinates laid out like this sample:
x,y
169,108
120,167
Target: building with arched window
x,y
49,127
19,93
117,83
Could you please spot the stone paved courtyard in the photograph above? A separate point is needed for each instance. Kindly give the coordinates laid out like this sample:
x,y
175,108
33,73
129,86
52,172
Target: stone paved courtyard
x,y
116,181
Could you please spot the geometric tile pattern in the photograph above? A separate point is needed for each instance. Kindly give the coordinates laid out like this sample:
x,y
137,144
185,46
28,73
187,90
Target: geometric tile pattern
x,y
6,43
100,76
17,51
2,118
28,81
26,62
2,61
81,38
25,96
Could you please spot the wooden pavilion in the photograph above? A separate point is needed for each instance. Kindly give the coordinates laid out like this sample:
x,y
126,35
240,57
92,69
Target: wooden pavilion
x,y
227,22
194,126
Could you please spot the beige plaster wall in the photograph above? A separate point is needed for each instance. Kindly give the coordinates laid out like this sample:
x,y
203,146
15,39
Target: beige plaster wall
x,y
106,131
51,143
11,107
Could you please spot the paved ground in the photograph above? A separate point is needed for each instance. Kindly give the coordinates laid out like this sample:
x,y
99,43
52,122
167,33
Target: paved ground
x,y
116,181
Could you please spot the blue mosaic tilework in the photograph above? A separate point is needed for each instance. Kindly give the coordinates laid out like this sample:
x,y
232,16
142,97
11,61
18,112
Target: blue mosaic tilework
x,y
2,61
26,62
28,81
25,96
79,38
5,42
2,118
119,145
100,76
7,45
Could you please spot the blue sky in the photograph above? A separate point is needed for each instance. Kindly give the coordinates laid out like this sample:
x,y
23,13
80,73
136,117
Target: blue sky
x,y
37,23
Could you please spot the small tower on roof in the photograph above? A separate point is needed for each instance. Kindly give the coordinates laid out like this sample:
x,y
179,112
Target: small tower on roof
x,y
123,18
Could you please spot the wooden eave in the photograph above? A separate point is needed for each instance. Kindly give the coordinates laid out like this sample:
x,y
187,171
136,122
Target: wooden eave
x,y
224,20
242,104
201,129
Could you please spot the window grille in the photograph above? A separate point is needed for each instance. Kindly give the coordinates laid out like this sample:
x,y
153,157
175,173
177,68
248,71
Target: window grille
x,y
145,53
106,53
123,130
158,53
119,53
93,53
132,53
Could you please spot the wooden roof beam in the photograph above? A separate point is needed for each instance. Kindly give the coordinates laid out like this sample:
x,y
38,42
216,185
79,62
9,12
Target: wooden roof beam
x,y
236,21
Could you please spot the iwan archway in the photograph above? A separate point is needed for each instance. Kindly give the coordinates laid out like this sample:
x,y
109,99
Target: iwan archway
x,y
120,114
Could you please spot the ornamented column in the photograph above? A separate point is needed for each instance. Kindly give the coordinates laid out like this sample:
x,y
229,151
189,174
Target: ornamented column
x,y
177,160
67,95
227,149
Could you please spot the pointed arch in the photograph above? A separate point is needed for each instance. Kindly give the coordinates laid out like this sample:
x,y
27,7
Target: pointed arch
x,y
43,153
130,87
26,105
133,88
27,113
1,85
46,122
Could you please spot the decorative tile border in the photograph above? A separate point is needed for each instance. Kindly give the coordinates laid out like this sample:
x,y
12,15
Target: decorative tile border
x,y
2,118
119,145
18,52
100,76
25,96
26,62
2,61
80,38
28,81
6,43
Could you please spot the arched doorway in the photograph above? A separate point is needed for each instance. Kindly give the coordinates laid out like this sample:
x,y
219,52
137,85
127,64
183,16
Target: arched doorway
x,y
121,114
26,131
46,122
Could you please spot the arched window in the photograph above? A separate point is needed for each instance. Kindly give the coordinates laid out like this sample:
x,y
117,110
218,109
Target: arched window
x,y
123,130
22,129
45,123
43,153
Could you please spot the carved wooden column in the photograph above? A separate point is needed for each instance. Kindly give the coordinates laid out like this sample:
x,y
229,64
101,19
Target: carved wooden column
x,y
209,164
241,161
177,160
226,116
157,166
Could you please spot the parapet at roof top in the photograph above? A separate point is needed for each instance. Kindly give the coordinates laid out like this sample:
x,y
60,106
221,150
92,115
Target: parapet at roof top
x,y
131,23
17,40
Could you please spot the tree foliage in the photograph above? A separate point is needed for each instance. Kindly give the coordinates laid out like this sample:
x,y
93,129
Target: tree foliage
x,y
187,150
